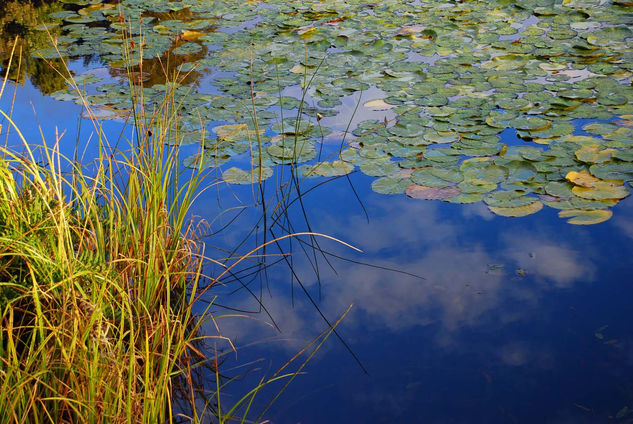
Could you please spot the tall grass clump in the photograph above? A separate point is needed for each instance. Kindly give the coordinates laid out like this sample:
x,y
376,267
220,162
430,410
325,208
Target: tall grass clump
x,y
99,266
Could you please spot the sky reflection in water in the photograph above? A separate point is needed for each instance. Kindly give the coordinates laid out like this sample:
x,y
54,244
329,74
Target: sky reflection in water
x,y
501,328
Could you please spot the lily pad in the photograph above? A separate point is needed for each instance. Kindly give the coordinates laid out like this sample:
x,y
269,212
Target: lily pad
x,y
601,191
330,169
517,211
390,185
585,217
593,154
431,193
239,176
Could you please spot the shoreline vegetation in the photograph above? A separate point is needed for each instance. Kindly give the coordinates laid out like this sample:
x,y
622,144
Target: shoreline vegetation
x,y
99,269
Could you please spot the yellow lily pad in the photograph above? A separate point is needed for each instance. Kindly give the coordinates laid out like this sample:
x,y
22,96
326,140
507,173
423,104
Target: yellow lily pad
x,y
190,35
593,154
517,211
601,191
235,132
585,217
378,104
582,178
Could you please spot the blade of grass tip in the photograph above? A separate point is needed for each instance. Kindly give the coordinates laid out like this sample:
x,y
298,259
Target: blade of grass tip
x,y
6,75
26,145
15,92
217,384
250,402
386,268
218,278
324,336
229,414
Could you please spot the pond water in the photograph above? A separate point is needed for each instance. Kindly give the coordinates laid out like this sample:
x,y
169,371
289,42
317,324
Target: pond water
x,y
455,144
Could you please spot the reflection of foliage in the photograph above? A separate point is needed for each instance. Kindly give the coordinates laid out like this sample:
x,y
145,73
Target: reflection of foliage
x,y
19,19
164,68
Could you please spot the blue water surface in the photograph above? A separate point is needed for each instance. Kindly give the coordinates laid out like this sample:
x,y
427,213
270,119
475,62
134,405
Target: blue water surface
x,y
516,320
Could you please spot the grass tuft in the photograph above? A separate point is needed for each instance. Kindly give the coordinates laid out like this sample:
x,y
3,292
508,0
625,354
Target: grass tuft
x,y
99,266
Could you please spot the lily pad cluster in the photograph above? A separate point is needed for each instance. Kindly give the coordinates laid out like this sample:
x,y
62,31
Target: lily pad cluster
x,y
453,76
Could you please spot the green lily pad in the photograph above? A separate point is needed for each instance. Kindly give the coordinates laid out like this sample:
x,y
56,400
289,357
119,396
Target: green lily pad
x,y
390,185
612,171
330,169
431,193
436,177
239,176
466,198
600,128
530,123
559,189
508,199
378,168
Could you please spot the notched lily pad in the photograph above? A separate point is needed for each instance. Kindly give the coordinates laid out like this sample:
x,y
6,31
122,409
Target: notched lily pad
x,y
329,169
517,211
417,191
390,185
239,176
585,217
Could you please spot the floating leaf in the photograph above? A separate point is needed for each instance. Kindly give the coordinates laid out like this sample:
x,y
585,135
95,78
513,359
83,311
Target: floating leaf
x,y
470,188
191,35
508,199
517,211
601,190
559,189
379,168
239,176
378,104
436,177
593,154
465,198
330,169
582,178
414,29
187,48
390,185
234,132
431,193
527,123
613,171
585,217
600,128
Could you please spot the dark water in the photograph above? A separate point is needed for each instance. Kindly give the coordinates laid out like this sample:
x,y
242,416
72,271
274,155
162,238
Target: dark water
x,y
522,320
